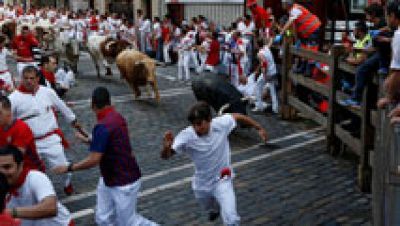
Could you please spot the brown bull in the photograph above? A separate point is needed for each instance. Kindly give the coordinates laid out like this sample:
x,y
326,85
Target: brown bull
x,y
138,70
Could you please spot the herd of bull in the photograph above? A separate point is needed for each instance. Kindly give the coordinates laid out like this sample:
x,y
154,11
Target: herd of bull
x,y
135,67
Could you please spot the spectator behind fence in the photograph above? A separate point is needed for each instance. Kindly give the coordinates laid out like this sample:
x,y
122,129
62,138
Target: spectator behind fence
x,y
363,41
380,58
392,83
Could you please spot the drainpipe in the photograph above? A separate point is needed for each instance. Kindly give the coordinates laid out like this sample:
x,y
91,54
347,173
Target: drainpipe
x,y
244,7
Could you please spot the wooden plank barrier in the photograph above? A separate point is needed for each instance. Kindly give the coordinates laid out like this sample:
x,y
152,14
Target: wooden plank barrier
x,y
386,173
338,139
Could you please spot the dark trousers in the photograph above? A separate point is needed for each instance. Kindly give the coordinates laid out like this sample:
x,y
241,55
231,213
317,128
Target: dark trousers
x,y
364,74
159,50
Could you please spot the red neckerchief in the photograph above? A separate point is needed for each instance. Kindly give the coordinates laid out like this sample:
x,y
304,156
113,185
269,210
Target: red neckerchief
x,y
48,75
20,181
23,89
104,112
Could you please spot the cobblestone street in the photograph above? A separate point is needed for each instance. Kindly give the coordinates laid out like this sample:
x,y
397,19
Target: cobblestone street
x,y
290,181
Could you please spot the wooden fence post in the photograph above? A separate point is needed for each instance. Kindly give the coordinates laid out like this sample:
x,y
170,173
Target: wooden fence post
x,y
332,141
287,112
379,162
366,139
392,194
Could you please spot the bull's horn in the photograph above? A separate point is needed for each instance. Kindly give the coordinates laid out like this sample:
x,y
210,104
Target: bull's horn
x,y
109,44
246,98
223,108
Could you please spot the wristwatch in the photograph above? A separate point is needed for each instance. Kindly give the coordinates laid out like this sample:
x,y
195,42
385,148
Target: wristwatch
x,y
69,169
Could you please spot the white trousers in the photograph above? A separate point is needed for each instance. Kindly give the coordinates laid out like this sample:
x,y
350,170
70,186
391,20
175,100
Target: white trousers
x,y
52,152
183,64
193,58
248,89
116,206
143,41
270,85
222,197
166,47
20,68
203,58
234,73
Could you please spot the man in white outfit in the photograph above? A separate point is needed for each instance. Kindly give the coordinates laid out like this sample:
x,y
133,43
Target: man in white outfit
x,y
206,143
32,197
35,105
7,83
184,53
266,79
145,32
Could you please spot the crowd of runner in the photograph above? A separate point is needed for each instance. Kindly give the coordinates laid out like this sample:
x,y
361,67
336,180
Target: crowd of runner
x,y
31,142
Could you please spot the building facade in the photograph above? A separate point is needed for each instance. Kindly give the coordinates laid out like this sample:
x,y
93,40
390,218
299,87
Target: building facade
x,y
222,12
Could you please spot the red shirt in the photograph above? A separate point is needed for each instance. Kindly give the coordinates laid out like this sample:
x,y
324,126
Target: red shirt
x,y
259,15
20,135
48,75
213,55
24,45
94,24
7,220
165,33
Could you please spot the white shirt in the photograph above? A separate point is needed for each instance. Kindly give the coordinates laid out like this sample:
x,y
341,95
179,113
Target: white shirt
x,y
40,106
209,153
3,59
395,64
294,13
177,32
37,187
146,26
51,14
269,59
248,29
104,27
241,26
10,14
185,44
157,29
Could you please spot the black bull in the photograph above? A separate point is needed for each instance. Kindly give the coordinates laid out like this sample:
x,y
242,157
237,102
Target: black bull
x,y
217,92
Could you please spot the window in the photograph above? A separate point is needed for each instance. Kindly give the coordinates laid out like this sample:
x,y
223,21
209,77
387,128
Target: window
x,y
358,6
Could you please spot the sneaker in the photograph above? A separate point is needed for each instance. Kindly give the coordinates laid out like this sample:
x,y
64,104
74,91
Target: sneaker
x,y
212,216
349,103
383,71
251,99
346,86
260,108
68,190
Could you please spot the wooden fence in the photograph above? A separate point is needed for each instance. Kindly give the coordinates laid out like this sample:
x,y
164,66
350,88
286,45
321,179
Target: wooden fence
x,y
377,143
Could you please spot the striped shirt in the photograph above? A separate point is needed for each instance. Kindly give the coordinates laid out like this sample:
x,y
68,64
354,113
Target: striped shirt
x,y
118,166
